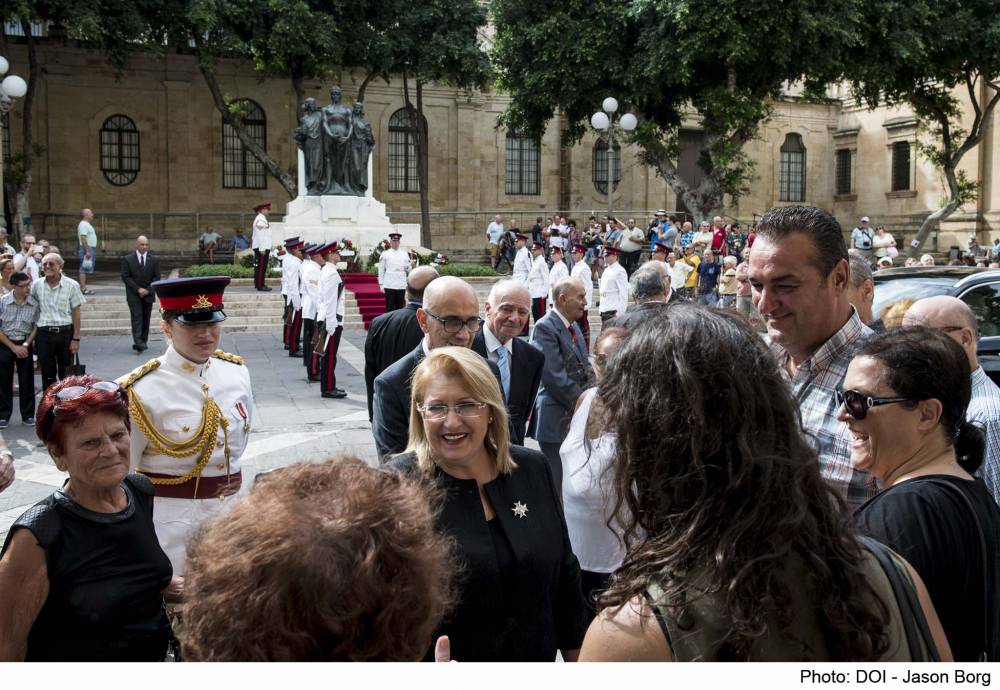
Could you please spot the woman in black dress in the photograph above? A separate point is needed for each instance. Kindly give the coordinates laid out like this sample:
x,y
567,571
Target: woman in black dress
x,y
519,585
81,572
904,399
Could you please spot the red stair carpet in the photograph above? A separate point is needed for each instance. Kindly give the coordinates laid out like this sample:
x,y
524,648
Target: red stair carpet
x,y
371,301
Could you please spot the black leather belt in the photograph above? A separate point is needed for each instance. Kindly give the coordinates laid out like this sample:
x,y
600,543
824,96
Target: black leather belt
x,y
55,329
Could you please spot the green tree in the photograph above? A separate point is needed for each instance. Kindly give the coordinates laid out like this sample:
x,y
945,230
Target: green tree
x,y
717,64
928,54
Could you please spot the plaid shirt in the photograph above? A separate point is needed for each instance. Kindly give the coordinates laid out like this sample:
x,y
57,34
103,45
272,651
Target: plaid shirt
x,y
813,385
17,320
57,303
984,410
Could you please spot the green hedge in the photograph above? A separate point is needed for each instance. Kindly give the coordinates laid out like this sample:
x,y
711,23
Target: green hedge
x,y
466,270
231,270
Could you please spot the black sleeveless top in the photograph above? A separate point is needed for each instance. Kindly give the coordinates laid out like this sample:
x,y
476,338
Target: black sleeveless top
x,y
106,572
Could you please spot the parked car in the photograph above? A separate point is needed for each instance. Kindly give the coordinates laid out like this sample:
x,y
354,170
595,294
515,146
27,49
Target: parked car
x,y
977,287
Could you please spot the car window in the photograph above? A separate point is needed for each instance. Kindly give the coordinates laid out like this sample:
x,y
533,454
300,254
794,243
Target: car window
x,y
984,300
892,291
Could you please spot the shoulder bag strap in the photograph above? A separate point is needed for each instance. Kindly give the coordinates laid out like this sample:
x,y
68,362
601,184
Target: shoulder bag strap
x,y
660,618
914,622
985,653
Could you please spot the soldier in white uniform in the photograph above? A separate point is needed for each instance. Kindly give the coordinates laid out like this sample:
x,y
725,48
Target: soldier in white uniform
x,y
581,271
261,245
191,412
331,295
291,269
558,270
309,276
522,260
393,268
613,285
538,281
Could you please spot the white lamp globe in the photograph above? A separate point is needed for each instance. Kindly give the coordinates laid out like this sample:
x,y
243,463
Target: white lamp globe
x,y
14,86
610,105
599,121
4,66
628,122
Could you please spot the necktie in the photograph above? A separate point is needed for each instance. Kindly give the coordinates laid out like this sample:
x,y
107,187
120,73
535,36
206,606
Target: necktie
x,y
142,261
503,364
572,334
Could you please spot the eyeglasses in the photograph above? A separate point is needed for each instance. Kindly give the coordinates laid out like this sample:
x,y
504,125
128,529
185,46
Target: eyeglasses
x,y
439,411
599,360
857,404
453,324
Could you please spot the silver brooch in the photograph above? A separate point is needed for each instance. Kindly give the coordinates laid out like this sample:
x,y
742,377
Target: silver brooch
x,y
520,509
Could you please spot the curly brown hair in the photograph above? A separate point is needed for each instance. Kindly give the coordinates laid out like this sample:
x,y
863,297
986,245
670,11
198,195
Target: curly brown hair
x,y
335,561
730,490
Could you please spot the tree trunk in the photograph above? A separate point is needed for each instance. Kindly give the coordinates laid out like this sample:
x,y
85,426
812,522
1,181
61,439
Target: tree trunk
x,y
22,188
692,199
280,174
364,85
419,133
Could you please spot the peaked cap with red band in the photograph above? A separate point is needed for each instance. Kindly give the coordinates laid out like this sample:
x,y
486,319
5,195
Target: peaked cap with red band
x,y
193,300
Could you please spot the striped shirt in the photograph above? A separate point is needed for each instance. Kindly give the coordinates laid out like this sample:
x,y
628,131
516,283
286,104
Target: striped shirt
x,y
18,320
984,410
57,303
813,386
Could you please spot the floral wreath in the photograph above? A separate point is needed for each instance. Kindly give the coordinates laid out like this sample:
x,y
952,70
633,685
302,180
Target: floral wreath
x,y
346,247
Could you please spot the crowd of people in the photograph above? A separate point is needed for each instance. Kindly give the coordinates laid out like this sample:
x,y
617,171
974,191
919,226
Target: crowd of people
x,y
836,499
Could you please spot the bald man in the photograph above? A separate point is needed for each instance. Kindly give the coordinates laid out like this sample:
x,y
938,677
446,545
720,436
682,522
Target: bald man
x,y
393,335
140,269
449,316
954,317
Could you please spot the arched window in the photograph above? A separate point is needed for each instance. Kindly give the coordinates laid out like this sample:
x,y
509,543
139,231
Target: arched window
x,y
119,150
901,166
522,169
600,166
402,154
240,168
792,174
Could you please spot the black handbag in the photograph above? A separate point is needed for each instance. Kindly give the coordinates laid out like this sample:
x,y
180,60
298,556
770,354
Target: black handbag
x,y
76,369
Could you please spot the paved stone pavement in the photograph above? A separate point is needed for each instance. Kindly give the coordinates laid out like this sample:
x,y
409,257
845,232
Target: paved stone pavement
x,y
292,424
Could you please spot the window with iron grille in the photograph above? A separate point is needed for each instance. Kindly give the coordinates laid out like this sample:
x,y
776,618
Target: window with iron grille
x,y
119,150
792,170
901,166
240,168
600,166
523,163
843,172
402,154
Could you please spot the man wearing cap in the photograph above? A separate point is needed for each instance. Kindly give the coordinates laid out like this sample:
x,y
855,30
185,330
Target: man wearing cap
x,y
613,286
659,252
291,270
558,270
538,281
261,244
581,271
191,411
311,274
331,291
393,267
522,259
863,239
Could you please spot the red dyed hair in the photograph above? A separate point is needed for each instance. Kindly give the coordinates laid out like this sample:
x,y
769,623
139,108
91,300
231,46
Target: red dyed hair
x,y
54,416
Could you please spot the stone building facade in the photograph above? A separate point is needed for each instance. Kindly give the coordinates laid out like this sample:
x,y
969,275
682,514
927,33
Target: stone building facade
x,y
147,150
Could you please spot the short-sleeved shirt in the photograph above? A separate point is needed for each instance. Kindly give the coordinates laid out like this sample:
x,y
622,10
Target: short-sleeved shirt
x,y
984,410
86,231
687,238
57,304
495,232
708,276
209,237
17,320
240,243
719,236
862,238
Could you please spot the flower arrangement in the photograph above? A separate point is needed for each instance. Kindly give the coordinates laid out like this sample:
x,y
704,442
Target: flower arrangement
x,y
377,254
439,259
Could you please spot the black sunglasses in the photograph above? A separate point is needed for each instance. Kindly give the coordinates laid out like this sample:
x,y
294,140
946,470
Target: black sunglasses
x,y
857,404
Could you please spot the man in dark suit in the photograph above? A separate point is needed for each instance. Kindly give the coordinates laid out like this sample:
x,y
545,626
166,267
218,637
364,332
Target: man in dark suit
x,y
449,316
140,269
650,286
507,310
393,335
566,372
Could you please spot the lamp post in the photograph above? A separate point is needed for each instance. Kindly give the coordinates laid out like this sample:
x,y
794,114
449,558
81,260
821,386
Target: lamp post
x,y
604,122
11,87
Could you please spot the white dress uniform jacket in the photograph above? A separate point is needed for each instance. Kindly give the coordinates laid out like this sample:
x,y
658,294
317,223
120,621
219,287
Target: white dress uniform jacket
x,y
582,271
291,268
261,238
522,265
614,289
538,278
393,267
310,288
557,273
330,297
173,395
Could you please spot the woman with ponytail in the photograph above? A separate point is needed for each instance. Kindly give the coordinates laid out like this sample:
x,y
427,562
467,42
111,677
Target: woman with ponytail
x,y
904,399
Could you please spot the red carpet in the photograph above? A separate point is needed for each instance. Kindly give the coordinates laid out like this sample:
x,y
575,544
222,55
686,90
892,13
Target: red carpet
x,y
371,301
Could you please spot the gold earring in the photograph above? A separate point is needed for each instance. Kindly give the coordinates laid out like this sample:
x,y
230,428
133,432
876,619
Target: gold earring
x,y
491,420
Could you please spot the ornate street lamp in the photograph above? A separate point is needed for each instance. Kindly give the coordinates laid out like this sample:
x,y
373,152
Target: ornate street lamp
x,y
11,87
604,122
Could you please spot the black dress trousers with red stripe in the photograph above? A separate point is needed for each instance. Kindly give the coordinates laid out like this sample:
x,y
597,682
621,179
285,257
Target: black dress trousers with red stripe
x,y
328,372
